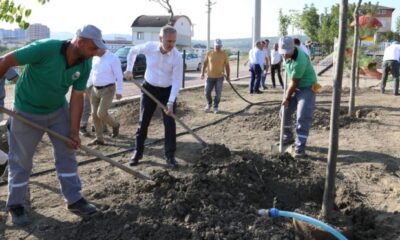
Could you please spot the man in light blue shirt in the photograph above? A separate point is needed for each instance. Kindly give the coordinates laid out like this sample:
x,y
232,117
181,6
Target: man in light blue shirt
x,y
256,61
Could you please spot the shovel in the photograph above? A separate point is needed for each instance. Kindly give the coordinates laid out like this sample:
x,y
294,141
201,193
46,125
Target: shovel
x,y
172,114
279,148
67,140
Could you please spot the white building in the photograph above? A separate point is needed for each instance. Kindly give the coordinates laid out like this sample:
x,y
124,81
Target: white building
x,y
147,28
37,31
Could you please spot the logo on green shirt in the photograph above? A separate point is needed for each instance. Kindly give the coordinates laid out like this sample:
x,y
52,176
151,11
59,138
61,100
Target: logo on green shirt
x,y
76,75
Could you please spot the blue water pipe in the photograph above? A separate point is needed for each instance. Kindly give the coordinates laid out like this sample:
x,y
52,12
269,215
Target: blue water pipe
x,y
274,213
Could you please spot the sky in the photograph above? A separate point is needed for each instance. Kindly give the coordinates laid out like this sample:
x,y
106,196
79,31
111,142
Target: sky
x,y
229,18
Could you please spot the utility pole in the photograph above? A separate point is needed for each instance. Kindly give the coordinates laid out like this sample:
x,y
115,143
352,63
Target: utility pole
x,y
257,21
209,4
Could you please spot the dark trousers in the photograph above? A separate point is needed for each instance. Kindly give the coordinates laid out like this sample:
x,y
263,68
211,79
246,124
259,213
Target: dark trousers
x,y
276,68
255,79
391,66
147,108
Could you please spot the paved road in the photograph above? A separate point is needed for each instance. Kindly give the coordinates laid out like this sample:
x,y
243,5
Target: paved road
x,y
192,78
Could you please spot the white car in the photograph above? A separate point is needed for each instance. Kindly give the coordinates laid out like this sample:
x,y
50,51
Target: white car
x,y
192,62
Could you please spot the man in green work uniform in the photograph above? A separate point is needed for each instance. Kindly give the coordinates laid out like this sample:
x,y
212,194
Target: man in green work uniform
x,y
51,67
299,96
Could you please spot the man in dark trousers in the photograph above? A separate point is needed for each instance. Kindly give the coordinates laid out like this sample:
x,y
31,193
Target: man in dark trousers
x,y
163,79
391,62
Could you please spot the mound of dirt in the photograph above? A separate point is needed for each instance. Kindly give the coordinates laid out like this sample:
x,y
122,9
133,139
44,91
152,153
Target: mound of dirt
x,y
216,191
218,201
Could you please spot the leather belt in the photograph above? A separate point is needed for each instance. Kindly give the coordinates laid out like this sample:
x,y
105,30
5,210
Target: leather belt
x,y
101,87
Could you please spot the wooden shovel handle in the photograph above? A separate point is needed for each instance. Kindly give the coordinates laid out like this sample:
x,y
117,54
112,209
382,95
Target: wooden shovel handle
x,y
67,140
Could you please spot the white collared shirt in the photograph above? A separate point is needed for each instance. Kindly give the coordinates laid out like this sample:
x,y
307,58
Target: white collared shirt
x,y
162,70
276,57
392,53
267,54
304,49
256,56
106,70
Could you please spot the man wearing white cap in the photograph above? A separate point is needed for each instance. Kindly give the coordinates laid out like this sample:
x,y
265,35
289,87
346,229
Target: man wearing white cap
x,y
216,61
299,96
51,67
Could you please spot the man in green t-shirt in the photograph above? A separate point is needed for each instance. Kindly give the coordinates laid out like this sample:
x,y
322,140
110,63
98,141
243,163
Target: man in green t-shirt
x,y
299,96
216,61
51,68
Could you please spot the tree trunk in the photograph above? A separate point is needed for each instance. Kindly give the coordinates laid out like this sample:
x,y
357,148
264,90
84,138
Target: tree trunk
x,y
354,62
329,191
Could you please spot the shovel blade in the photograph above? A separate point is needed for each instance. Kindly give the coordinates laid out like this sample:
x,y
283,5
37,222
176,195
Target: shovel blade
x,y
277,149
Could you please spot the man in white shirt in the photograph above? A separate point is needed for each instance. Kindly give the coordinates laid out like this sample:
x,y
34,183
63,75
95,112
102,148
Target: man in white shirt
x,y
391,58
276,60
107,80
267,62
256,60
301,46
163,79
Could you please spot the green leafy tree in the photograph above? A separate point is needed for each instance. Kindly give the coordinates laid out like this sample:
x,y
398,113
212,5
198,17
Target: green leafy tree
x,y
295,19
398,25
328,29
369,8
310,21
284,21
11,12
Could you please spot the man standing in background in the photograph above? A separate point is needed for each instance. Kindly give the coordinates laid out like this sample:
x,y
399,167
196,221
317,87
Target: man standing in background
x,y
107,81
267,63
256,61
276,61
215,62
391,59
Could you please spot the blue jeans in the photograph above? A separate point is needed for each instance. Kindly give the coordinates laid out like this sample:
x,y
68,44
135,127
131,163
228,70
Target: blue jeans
x,y
255,79
211,83
264,75
303,101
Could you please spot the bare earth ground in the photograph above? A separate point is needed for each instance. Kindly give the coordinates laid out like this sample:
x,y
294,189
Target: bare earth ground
x,y
215,192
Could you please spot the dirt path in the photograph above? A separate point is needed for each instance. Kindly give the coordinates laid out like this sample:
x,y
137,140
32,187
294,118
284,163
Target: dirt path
x,y
215,194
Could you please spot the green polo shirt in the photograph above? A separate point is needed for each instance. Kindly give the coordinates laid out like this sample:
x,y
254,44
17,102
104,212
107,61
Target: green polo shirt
x,y
300,67
46,78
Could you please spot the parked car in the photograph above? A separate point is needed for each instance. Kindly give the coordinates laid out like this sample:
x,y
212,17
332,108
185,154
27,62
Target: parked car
x,y
140,64
192,62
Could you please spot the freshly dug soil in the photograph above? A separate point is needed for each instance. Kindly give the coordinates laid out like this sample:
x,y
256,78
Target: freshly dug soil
x,y
216,191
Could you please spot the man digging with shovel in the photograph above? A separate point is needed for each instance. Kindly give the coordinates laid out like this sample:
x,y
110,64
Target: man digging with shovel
x,y
163,79
300,95
51,67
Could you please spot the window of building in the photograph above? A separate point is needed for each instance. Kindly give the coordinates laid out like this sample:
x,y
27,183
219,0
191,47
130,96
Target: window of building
x,y
382,11
140,36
